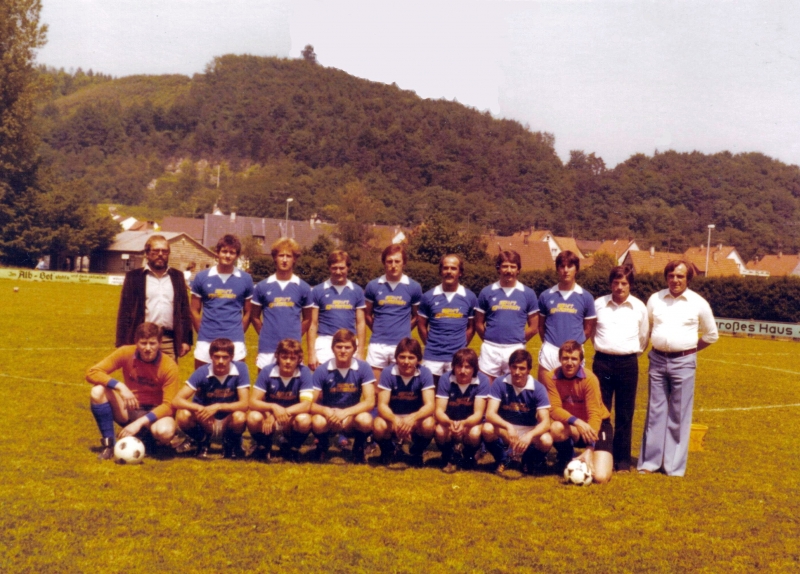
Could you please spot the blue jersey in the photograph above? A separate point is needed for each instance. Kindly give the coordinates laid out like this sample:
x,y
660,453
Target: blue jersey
x,y
223,302
391,308
447,321
564,317
282,310
283,393
461,403
519,407
209,390
342,391
406,397
337,310
506,315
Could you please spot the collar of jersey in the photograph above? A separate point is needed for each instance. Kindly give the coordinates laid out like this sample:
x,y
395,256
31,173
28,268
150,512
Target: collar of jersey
x,y
403,279
396,371
529,385
332,365
276,372
683,295
559,373
518,286
577,289
474,380
329,285
232,373
213,271
625,302
439,290
274,279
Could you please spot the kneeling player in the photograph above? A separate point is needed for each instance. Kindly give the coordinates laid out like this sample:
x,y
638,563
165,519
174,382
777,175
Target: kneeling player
x,y
460,405
143,403
518,417
213,402
405,403
344,395
579,415
280,402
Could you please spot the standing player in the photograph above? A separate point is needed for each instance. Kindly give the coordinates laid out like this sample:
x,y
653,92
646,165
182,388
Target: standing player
x,y
676,315
391,308
518,417
213,402
505,317
280,402
143,403
621,336
566,313
281,303
578,414
405,404
446,317
460,405
344,395
221,302
157,294
335,304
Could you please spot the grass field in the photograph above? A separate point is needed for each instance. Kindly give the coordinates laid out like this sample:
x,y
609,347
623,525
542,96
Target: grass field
x,y
736,510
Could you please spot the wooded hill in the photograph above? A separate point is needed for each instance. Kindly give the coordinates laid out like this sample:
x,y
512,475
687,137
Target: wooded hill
x,y
289,128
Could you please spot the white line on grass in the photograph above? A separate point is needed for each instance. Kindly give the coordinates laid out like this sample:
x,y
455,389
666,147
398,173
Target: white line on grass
x,y
53,348
753,366
756,408
41,380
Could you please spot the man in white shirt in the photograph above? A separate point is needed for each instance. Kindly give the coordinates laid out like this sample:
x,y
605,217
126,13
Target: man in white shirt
x,y
676,315
620,337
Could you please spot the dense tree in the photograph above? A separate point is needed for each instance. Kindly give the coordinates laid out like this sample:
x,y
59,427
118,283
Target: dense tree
x,y
439,236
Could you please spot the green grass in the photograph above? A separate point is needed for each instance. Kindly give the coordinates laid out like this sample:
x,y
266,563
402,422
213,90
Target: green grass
x,y
63,511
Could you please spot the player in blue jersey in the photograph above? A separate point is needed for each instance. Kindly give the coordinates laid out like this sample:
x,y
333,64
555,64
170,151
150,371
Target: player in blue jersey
x,y
445,319
213,402
566,313
391,312
518,417
505,317
344,395
405,404
460,406
221,302
281,303
335,304
280,402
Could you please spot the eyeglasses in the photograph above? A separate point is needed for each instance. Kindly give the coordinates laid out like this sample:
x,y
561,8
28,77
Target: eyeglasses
x,y
166,251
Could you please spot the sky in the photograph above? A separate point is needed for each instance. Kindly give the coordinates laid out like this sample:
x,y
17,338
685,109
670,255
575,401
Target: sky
x,y
610,77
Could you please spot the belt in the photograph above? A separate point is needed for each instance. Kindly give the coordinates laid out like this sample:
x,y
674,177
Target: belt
x,y
168,333
602,355
676,354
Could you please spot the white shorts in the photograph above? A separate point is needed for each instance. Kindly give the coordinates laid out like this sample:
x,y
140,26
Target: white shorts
x,y
493,359
380,356
323,347
202,347
438,368
218,428
548,357
264,359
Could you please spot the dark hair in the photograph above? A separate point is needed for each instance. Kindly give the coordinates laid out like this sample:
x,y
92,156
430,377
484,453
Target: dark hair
x,y
621,272
289,347
519,356
338,256
409,345
570,347
230,241
221,344
460,262
344,336
152,239
508,257
392,249
672,265
466,357
568,259
147,330
286,243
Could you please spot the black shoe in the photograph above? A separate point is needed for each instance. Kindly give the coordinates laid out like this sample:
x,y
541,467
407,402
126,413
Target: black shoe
x,y
469,463
359,456
450,468
500,469
290,454
260,453
415,461
320,455
203,452
233,452
108,449
387,456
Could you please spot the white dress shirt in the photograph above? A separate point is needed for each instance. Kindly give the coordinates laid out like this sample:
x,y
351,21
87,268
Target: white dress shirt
x,y
676,321
621,329
159,299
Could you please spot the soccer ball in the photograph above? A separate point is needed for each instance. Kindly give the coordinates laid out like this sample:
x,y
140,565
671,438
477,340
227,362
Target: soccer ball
x,y
129,450
577,472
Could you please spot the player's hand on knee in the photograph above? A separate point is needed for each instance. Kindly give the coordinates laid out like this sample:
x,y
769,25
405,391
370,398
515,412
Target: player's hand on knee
x,y
132,429
587,433
128,398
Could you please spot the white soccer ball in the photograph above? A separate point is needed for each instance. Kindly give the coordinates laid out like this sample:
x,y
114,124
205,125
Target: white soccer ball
x,y
129,450
577,472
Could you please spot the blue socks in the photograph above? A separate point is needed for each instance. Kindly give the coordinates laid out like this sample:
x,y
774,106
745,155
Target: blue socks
x,y
104,417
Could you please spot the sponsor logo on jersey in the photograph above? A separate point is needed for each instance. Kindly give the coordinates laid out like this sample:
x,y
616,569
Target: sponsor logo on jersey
x,y
449,314
339,305
563,308
392,300
222,294
281,302
506,305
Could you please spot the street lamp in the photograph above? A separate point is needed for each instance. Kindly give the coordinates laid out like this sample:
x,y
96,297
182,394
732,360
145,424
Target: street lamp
x,y
286,231
708,248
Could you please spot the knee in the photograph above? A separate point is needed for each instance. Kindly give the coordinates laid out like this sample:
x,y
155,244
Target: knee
x,y
364,422
380,427
185,419
163,430
441,434
254,419
474,436
427,427
601,476
238,418
98,395
319,424
558,431
302,422
488,432
545,442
